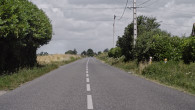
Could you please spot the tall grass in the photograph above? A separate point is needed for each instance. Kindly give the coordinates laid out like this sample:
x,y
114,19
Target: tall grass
x,y
175,74
13,80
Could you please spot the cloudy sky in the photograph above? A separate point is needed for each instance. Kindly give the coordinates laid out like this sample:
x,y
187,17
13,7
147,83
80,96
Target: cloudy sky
x,y
84,24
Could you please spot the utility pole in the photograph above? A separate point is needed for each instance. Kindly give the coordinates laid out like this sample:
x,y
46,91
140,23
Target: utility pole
x,y
193,30
114,30
135,21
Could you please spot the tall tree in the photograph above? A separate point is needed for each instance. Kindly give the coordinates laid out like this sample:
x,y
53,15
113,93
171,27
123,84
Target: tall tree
x,y
24,28
90,52
84,53
125,42
106,50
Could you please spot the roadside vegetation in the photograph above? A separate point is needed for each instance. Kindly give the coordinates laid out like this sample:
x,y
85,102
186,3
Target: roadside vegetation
x,y
157,55
173,73
47,63
24,28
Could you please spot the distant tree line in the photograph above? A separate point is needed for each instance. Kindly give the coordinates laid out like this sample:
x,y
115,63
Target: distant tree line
x,y
153,42
72,52
42,53
89,52
23,29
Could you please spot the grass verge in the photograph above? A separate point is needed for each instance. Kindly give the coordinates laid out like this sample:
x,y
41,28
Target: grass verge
x,y
12,81
174,74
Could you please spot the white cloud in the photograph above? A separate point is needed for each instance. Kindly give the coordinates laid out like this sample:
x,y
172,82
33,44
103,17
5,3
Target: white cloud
x,y
82,24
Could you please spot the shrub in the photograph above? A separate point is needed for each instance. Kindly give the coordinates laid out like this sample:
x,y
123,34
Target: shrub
x,y
189,50
24,28
115,52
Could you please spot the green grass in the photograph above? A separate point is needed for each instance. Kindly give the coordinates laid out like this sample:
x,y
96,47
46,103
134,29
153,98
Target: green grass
x,y
174,74
118,62
12,81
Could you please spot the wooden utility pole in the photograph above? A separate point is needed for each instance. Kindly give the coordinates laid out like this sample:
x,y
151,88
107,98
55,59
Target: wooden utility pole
x,y
114,31
193,30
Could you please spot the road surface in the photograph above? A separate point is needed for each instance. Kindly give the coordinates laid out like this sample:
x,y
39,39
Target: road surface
x,y
88,84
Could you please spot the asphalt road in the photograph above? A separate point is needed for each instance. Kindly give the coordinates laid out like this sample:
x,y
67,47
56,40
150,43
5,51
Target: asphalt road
x,y
90,84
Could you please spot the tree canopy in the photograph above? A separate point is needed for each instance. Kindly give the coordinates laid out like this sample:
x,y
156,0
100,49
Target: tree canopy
x,y
90,52
23,28
73,52
145,24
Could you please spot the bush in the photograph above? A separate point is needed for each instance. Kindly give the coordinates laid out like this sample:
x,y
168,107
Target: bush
x,y
189,50
115,52
165,46
159,45
24,28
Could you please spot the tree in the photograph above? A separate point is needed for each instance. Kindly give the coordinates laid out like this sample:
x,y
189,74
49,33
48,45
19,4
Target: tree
x,y
115,52
99,52
24,28
106,50
90,52
43,53
189,50
84,53
145,24
73,52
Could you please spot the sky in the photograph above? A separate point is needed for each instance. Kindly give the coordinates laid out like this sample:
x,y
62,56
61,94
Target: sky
x,y
84,24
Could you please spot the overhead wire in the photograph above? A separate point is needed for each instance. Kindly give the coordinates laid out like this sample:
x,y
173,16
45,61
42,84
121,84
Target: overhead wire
x,y
144,2
124,10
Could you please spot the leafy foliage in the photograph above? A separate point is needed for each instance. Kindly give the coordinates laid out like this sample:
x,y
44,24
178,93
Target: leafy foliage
x,y
115,52
90,52
159,45
99,53
43,53
73,52
145,24
84,53
189,50
23,29
106,50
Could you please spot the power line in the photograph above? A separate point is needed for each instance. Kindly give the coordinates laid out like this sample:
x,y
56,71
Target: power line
x,y
144,2
124,10
151,3
89,8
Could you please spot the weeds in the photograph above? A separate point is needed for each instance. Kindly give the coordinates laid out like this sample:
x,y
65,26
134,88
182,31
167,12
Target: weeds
x,y
172,73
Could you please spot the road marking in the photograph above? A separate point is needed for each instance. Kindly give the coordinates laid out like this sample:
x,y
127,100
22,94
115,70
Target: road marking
x,y
86,71
87,80
87,75
89,102
88,87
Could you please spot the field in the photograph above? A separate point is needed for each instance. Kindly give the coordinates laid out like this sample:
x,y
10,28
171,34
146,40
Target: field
x,y
48,59
46,64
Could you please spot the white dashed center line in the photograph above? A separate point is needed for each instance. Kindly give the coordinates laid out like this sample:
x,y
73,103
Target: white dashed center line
x,y
88,87
87,80
89,97
89,102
